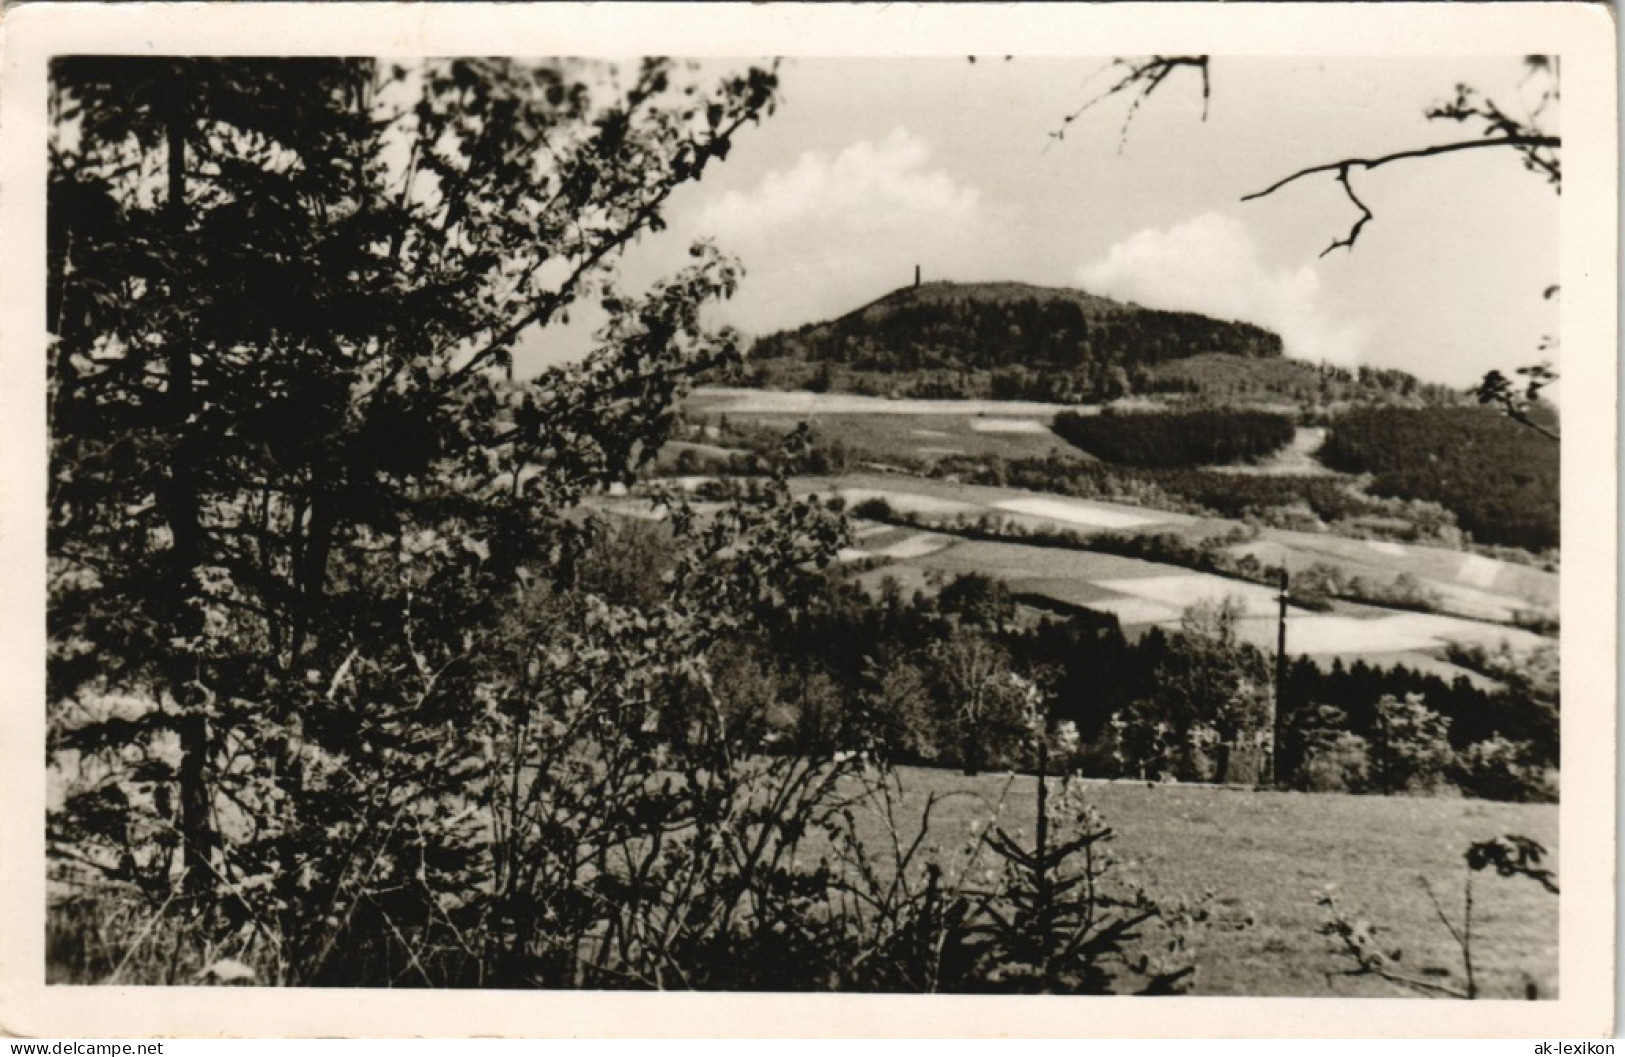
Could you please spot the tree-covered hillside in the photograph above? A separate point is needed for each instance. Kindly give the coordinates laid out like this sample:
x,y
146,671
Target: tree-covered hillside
x,y
1015,341
1315,387
1500,478
984,326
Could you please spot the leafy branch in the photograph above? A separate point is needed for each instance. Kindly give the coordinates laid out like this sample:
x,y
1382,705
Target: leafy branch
x,y
1517,399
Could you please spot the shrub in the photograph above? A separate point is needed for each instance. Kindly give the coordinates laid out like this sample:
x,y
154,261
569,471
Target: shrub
x,y
1410,746
1500,769
1144,742
1338,762
874,508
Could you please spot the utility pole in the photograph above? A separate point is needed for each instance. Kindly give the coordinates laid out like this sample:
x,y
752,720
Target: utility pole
x,y
1280,684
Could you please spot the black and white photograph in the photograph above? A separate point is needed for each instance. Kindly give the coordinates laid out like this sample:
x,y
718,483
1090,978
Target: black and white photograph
x,y
576,510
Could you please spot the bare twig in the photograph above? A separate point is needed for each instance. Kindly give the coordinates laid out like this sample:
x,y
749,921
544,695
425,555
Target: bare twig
x,y
1467,937
1141,77
1438,909
146,930
1342,167
1358,943
1365,214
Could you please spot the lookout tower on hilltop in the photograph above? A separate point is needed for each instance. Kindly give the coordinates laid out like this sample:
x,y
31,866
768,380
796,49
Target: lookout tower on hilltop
x,y
916,275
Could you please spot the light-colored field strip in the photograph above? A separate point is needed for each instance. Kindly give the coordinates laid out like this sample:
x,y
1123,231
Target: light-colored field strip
x,y
1014,561
704,449
1478,571
1077,513
893,534
638,509
1320,633
865,529
916,546
928,432
1162,599
1394,550
1471,602
909,502
1008,425
795,402
1130,611
1180,590
940,451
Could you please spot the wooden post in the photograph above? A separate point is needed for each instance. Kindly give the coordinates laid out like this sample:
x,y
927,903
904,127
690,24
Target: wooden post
x,y
1280,684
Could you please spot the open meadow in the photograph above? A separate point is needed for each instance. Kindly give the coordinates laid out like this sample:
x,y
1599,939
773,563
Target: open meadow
x,y
1266,856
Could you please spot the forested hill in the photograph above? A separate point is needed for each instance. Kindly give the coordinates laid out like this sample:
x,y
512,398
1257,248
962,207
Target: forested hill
x,y
1015,341
983,326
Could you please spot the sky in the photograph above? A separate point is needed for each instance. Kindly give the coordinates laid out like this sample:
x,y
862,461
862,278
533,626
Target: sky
x,y
872,166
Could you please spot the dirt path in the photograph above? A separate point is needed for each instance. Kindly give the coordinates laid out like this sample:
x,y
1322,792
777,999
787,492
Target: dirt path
x,y
1297,459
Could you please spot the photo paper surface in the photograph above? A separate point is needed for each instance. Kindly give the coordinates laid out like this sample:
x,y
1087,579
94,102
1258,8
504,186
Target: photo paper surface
x,y
795,520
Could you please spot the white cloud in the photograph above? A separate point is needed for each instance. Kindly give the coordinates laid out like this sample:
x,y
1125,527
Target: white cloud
x,y
836,230
1210,264
867,186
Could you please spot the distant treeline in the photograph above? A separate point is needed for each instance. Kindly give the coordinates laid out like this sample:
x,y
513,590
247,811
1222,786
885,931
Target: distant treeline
x,y
1204,437
1302,501
1096,383
1315,388
849,645
1500,479
1318,391
1102,675
924,676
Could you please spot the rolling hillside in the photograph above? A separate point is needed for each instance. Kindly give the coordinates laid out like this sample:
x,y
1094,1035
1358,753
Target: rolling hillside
x,y
1016,341
991,325
1002,340
979,428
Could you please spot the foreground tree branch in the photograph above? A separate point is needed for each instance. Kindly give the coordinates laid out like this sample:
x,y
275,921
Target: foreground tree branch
x,y
1140,78
1500,129
1515,402
1343,166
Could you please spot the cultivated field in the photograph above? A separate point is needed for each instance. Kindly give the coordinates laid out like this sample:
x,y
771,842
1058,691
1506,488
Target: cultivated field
x,y
753,402
903,430
1474,590
1148,593
1265,856
922,431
